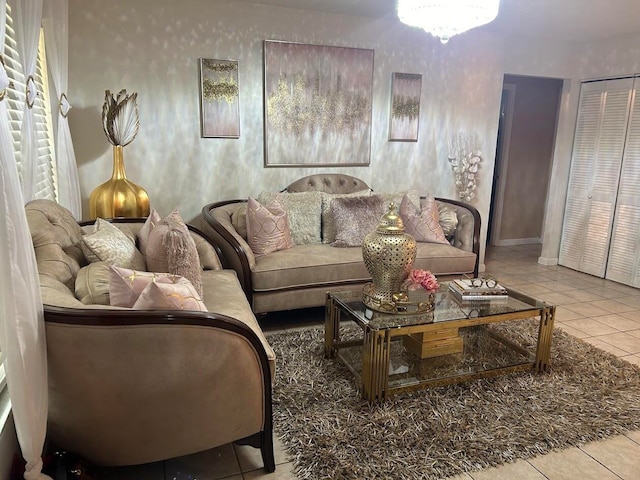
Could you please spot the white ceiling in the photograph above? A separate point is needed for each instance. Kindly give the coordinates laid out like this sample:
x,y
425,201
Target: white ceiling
x,y
572,20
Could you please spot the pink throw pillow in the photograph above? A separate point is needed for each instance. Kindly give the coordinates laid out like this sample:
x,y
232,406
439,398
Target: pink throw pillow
x,y
143,235
267,227
423,225
126,285
170,296
171,248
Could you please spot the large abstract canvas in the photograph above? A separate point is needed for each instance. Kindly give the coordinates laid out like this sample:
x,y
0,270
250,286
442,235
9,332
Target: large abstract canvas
x,y
219,100
317,105
405,107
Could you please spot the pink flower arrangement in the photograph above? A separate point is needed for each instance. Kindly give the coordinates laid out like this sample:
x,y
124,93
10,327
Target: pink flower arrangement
x,y
421,279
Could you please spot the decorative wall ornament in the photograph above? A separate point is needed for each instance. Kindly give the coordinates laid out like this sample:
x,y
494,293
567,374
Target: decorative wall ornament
x,y
64,105
405,107
465,158
219,98
317,105
31,91
4,79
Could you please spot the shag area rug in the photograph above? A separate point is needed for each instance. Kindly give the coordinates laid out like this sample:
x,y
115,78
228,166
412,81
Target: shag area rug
x,y
331,433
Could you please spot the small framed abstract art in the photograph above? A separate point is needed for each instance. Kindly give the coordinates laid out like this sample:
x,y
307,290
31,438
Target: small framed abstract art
x,y
317,105
219,99
405,107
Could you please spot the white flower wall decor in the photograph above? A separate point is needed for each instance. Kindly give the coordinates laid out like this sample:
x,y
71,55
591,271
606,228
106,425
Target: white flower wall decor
x,y
465,158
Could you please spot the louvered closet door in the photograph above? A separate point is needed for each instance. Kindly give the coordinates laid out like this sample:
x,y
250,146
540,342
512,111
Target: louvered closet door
x,y
624,254
595,168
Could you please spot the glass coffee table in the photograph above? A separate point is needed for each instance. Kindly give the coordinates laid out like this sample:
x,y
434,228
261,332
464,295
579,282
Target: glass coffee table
x,y
456,342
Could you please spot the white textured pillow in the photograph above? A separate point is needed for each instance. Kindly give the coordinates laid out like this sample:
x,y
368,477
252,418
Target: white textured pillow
x,y
109,244
304,210
328,222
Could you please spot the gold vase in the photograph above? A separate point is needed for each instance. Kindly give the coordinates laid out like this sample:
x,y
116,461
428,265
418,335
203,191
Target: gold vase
x,y
388,254
119,196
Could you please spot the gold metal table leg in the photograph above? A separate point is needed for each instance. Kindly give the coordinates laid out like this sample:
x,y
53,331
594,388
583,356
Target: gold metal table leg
x,y
375,365
331,328
545,334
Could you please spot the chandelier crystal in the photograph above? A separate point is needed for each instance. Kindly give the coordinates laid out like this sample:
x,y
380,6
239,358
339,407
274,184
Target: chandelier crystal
x,y
446,18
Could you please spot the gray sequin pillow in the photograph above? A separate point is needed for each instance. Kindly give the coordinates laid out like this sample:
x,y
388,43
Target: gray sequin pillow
x,y
355,218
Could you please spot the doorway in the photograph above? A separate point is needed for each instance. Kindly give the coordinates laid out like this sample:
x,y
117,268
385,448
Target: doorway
x,y
524,151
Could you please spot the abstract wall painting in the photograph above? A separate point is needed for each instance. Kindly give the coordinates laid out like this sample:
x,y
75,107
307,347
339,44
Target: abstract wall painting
x,y
219,98
405,107
317,105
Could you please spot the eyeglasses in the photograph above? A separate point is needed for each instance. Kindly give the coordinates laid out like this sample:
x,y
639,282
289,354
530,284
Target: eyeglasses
x,y
487,281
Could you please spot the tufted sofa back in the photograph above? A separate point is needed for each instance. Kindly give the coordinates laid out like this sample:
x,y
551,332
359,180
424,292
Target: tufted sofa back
x,y
328,183
56,237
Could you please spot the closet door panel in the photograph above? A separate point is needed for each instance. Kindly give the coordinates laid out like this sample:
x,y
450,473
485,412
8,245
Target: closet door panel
x,y
595,167
624,254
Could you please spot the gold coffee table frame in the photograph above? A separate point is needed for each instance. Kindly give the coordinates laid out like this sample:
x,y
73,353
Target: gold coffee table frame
x,y
380,329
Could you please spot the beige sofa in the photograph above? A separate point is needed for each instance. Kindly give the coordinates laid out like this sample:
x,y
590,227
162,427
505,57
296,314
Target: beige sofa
x,y
136,386
301,276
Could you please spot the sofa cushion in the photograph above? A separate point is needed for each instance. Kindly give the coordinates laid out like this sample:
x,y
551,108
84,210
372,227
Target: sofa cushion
x,y
239,220
304,212
328,222
318,265
108,243
267,227
92,284
396,197
448,219
355,218
143,235
171,249
180,295
126,285
422,224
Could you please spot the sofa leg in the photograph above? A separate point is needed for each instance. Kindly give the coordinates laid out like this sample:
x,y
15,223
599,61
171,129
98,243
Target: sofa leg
x,y
266,448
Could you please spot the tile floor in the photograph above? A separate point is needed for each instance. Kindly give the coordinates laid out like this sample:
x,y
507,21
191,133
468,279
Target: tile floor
x,y
603,313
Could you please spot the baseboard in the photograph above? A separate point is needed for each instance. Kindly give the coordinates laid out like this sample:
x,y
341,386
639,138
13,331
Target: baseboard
x,y
517,241
547,261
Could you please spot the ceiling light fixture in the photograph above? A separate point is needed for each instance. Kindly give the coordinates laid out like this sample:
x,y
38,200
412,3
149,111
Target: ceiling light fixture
x,y
446,18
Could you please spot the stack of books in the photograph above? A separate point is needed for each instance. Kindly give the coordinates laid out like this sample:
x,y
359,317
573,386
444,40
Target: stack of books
x,y
463,290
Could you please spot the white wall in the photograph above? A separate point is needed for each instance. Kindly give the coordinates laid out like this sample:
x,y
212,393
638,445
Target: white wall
x,y
152,47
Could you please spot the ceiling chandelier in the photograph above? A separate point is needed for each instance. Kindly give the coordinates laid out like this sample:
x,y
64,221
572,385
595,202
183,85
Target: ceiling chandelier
x,y
446,18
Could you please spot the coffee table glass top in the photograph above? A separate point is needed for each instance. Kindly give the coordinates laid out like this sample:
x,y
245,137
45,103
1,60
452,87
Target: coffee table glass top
x,y
447,308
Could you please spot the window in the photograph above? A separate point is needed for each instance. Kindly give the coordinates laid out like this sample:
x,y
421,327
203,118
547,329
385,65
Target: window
x,y
46,181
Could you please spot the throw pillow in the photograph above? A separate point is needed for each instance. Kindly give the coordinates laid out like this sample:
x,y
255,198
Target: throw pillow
x,y
143,235
396,197
239,220
448,219
355,217
304,210
92,284
267,227
328,222
109,244
422,225
171,249
170,296
126,285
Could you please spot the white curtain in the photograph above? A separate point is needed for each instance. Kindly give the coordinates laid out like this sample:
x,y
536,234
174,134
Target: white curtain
x,y
27,26
22,337
55,21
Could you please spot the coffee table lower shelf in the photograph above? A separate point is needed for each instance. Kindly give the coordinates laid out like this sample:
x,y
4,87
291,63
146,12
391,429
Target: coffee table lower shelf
x,y
386,360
